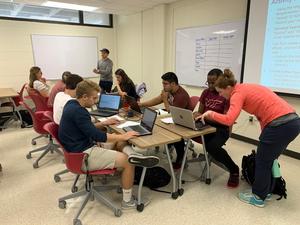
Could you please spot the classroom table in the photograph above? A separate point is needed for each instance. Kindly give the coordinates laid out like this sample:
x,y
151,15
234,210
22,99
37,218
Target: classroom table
x,y
187,134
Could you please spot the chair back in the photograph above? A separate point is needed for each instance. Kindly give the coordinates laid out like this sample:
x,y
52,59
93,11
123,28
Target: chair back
x,y
194,101
38,119
19,98
49,115
41,103
73,160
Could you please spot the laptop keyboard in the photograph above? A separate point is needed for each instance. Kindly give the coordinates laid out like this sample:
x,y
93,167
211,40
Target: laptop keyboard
x,y
137,128
200,125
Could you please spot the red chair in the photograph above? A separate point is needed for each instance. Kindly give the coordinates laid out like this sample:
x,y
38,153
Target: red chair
x,y
49,115
74,162
194,101
41,103
39,120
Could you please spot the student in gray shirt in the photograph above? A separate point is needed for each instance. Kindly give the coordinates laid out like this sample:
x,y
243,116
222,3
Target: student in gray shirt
x,y
104,68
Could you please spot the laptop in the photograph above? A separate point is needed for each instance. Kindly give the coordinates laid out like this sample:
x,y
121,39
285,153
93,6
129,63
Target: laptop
x,y
146,125
184,117
108,105
132,103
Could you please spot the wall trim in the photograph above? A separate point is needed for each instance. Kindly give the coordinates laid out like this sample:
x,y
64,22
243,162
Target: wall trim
x,y
286,152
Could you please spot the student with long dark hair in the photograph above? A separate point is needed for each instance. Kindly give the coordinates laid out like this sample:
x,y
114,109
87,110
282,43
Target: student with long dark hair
x,y
125,85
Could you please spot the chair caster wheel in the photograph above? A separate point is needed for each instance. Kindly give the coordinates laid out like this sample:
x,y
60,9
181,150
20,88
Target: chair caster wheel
x,y
180,191
35,165
33,142
56,178
140,207
118,212
28,156
77,222
74,189
208,181
62,204
174,195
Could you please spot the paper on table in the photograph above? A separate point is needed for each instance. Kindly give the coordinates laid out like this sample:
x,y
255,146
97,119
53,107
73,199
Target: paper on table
x,y
101,119
167,120
161,112
127,124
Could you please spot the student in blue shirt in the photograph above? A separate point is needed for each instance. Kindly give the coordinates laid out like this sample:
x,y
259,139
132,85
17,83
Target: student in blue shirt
x,y
77,133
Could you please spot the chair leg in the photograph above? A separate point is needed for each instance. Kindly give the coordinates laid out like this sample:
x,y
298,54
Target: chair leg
x,y
57,177
86,199
36,163
74,195
33,141
103,199
74,187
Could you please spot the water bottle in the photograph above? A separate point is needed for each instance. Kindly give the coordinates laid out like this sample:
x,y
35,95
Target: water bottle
x,y
276,169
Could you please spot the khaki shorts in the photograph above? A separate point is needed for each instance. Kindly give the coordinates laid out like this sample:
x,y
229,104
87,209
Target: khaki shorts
x,y
100,158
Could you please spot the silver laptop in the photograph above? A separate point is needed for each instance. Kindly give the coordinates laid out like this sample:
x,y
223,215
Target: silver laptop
x,y
184,117
108,105
147,123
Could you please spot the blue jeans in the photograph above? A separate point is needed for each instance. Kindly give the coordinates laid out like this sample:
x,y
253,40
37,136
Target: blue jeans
x,y
272,142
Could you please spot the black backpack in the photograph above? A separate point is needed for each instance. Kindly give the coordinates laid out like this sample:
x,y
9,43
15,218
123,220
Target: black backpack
x,y
155,177
248,174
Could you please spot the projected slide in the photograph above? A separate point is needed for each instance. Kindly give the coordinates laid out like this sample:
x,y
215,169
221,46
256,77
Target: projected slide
x,y
281,56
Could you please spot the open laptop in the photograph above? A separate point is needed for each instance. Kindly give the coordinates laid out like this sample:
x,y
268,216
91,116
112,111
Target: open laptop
x,y
184,117
146,125
108,105
133,103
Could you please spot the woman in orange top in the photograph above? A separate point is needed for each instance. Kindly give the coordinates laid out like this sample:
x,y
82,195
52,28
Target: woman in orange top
x,y
279,123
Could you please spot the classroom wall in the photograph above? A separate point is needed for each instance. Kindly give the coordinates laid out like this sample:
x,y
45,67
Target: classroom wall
x,y
152,41
16,55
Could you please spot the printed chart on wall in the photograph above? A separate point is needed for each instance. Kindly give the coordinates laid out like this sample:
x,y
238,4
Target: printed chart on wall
x,y
200,49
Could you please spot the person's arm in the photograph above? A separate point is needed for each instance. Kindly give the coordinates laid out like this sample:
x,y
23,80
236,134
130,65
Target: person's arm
x,y
152,102
200,110
120,92
236,104
110,121
108,69
121,137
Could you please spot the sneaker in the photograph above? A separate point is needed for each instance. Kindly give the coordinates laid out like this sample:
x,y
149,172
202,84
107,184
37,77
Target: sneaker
x,y
250,198
269,197
233,181
144,161
129,205
176,166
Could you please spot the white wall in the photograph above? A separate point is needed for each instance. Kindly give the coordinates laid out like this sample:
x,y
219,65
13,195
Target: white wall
x,y
16,56
152,45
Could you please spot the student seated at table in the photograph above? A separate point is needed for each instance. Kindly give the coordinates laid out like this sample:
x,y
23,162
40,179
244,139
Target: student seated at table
x,y
172,94
211,100
78,134
37,82
62,98
58,87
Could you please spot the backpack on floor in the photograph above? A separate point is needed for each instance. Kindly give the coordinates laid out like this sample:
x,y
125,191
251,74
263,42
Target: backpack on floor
x,y
155,177
248,174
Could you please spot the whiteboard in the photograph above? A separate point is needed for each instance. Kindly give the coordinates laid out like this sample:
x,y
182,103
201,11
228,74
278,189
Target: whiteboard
x,y
56,54
200,49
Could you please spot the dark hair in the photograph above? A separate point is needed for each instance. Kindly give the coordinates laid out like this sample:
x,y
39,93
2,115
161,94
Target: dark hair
x,y
64,76
32,75
125,78
226,79
215,72
170,77
72,81
105,50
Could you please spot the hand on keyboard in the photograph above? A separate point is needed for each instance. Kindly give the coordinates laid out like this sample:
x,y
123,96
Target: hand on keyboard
x,y
130,134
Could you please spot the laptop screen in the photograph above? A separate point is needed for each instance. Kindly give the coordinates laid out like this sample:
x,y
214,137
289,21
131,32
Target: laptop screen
x,y
149,118
109,101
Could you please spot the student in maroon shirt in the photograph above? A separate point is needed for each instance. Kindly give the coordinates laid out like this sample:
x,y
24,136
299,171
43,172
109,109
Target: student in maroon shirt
x,y
58,87
211,100
172,94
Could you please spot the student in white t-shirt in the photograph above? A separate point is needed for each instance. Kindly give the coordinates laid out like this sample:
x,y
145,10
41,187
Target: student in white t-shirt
x,y
37,82
61,98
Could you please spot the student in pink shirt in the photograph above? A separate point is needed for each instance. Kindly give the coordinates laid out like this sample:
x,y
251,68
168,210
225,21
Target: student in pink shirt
x,y
211,100
58,87
279,123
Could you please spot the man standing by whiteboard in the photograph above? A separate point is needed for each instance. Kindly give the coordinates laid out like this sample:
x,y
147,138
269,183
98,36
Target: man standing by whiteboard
x,y
104,68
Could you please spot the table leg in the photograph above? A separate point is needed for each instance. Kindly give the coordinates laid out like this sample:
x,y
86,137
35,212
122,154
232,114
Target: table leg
x,y
208,179
180,189
174,191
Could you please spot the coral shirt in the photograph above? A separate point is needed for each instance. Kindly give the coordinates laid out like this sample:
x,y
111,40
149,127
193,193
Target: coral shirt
x,y
254,99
